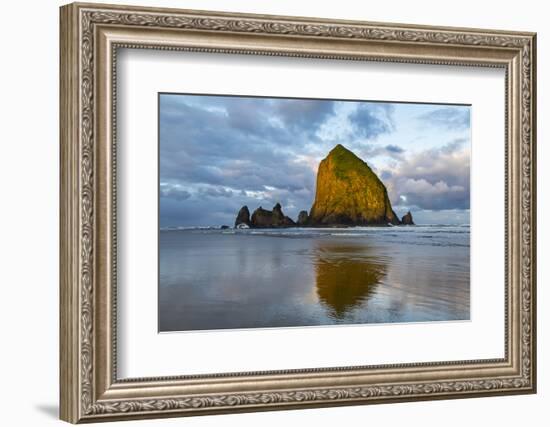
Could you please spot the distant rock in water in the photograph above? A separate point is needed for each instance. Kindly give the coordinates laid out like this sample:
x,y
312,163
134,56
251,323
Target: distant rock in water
x,y
243,217
349,193
262,218
407,219
224,227
302,218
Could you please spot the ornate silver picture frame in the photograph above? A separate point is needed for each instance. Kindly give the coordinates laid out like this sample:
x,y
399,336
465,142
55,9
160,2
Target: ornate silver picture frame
x,y
91,35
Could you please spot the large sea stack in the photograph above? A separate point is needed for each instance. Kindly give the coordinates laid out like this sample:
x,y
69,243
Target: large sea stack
x,y
349,193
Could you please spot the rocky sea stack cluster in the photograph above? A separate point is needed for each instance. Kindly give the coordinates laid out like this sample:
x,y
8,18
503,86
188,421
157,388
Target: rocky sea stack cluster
x,y
263,218
348,193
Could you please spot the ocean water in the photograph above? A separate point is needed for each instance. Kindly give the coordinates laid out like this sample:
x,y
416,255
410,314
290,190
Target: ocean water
x,y
234,279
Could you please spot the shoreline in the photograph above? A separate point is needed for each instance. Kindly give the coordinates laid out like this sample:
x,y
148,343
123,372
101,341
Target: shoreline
x,y
302,227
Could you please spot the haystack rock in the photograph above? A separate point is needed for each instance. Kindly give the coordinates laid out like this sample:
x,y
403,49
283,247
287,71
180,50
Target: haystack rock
x,y
262,218
407,219
243,217
349,193
302,218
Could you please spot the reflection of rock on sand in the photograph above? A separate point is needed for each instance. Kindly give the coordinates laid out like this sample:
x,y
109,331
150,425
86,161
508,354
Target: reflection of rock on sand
x,y
345,277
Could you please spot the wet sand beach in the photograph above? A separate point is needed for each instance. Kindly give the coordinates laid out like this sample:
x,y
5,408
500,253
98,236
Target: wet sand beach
x,y
234,279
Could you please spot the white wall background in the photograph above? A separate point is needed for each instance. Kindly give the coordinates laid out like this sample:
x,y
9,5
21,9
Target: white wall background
x,y
29,170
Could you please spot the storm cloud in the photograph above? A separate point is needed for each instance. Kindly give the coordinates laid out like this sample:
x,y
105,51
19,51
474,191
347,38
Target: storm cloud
x,y
372,120
448,117
435,179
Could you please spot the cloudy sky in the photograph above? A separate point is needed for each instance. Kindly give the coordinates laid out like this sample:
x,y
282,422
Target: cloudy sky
x,y
218,153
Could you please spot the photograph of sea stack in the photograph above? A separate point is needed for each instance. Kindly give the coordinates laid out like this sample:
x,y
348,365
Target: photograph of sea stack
x,y
282,212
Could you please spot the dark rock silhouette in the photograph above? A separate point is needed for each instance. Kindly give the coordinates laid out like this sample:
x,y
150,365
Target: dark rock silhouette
x,y
302,218
243,217
349,193
407,219
263,218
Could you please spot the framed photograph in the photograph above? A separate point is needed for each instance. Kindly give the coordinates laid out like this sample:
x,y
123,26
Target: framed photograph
x,y
266,212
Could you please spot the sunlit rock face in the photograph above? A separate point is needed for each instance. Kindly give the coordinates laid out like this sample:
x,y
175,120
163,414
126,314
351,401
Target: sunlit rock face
x,y
349,193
